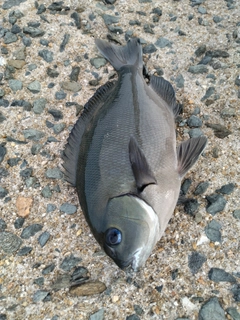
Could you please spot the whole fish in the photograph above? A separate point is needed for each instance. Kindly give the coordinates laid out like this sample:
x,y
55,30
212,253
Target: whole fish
x,y
122,158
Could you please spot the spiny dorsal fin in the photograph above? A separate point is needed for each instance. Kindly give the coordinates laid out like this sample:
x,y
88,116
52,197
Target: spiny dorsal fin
x,y
141,170
165,90
72,148
188,153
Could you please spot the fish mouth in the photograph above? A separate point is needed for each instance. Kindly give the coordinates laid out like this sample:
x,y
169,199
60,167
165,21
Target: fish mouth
x,y
130,263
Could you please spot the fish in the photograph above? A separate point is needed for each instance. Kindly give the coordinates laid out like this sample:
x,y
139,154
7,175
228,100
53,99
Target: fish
x,y
122,158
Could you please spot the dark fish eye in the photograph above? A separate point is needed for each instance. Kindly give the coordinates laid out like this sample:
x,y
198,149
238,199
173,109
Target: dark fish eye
x,y
113,236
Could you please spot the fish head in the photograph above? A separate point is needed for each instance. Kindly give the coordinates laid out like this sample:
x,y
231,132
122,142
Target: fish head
x,y
131,231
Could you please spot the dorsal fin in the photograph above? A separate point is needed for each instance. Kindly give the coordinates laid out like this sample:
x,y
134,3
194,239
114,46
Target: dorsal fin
x,y
165,90
72,148
188,153
140,167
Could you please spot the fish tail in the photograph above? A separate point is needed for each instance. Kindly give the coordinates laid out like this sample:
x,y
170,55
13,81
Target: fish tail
x,y
119,56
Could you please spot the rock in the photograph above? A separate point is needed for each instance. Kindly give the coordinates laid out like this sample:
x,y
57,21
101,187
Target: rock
x,y
54,173
227,188
237,81
41,9
26,173
149,49
139,311
195,261
217,19
15,85
63,281
133,316
40,295
35,87
200,50
191,206
43,238
69,262
2,117
233,313
39,105
216,203
200,68
51,207
11,3
18,64
26,41
202,10
75,16
194,121
236,214
71,86
46,55
219,130
163,42
39,281
75,73
209,92
60,95
201,188
217,54
220,275
3,225
68,208
117,30
99,315
9,242
98,62
236,292
212,231
9,37
12,162
46,192
18,223
180,81
48,269
88,289
31,230
108,19
3,152
64,42
228,112
24,206
3,192
80,273
211,310
57,114
59,127
52,73
185,186
33,32
24,251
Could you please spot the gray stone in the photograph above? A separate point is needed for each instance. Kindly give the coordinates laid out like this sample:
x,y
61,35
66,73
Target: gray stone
x,y
200,50
163,42
150,48
46,192
228,112
212,231
13,161
220,275
227,188
26,41
48,269
191,206
59,127
52,73
69,262
194,121
217,19
2,92
62,281
20,54
195,261
11,3
201,188
133,316
220,131
200,68
51,207
46,55
31,230
3,224
57,114
108,19
76,19
43,238
99,315
9,37
233,313
2,117
65,41
202,10
71,86
180,81
75,73
237,81
54,173
39,105
34,86
18,223
40,295
33,32
39,281
41,9
3,152
185,186
9,242
209,92
60,95
236,214
68,208
3,192
236,292
217,53
24,251
211,310
117,30
33,134
15,85
195,132
98,62
216,203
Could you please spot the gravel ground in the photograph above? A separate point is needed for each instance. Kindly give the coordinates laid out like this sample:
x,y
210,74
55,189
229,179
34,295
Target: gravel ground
x,y
51,266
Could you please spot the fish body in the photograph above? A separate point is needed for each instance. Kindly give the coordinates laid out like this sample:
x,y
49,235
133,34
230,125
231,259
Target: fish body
x,y
122,158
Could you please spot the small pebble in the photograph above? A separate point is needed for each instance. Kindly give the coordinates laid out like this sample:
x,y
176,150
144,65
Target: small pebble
x,y
46,55
15,85
232,311
211,310
3,225
236,292
216,203
18,223
236,214
98,62
3,192
51,207
226,189
132,317
201,188
39,281
46,192
65,41
40,295
24,251
186,185
54,173
31,230
43,238
9,242
60,95
39,105
200,68
35,87
195,261
24,205
68,208
191,206
194,121
69,262
88,289
212,231
48,269
163,42
220,275
76,19
99,315
33,31
219,130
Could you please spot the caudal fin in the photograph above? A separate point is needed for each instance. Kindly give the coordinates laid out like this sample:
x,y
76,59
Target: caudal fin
x,y
119,56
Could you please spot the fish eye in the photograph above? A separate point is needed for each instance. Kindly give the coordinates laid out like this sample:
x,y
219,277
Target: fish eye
x,y
113,236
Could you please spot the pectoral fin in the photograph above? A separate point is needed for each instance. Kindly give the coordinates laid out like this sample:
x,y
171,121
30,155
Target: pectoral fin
x,y
140,167
188,153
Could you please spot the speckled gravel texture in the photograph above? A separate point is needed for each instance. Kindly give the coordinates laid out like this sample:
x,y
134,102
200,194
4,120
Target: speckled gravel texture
x,y
39,67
